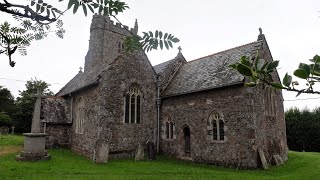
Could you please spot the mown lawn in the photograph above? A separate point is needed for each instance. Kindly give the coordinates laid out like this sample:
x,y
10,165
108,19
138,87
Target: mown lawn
x,y
68,165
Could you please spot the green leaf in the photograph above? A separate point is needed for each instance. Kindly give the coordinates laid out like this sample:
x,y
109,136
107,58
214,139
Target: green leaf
x,y
244,60
306,67
165,36
170,44
166,44
151,34
37,7
277,85
90,7
273,65
84,9
234,66
251,84
287,80
71,2
175,40
160,34
259,64
156,34
301,73
161,44
75,7
245,70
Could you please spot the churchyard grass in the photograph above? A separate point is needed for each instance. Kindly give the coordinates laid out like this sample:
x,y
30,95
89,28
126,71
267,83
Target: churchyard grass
x,y
68,165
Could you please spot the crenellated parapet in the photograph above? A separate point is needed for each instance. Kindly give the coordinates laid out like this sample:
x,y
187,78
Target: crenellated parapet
x,y
104,22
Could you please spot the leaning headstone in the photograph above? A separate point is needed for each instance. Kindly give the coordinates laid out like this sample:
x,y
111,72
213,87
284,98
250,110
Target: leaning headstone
x,y
102,152
263,159
12,130
34,142
151,151
5,130
139,153
277,159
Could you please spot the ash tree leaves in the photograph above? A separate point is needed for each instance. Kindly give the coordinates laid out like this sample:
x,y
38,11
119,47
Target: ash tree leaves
x,y
259,72
102,7
40,14
42,7
152,41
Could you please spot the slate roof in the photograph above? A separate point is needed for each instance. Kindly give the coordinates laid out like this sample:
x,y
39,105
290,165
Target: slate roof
x,y
209,72
81,80
161,67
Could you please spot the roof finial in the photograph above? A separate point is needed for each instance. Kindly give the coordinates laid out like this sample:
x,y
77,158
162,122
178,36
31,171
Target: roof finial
x,y
136,27
260,30
80,69
179,48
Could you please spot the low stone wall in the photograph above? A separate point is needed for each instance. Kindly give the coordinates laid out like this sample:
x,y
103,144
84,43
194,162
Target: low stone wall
x,y
58,136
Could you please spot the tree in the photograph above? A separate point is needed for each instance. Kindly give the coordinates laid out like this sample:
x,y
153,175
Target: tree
x,y
259,71
7,100
25,104
303,129
36,20
6,106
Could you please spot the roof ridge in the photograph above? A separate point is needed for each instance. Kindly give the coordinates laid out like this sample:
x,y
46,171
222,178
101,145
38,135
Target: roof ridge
x,y
224,51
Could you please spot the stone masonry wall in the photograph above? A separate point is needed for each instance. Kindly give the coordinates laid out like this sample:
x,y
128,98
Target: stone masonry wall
x,y
128,70
194,110
271,130
58,136
83,143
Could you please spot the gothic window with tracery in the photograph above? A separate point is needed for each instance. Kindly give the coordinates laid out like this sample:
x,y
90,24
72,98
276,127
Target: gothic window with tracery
x,y
216,127
132,105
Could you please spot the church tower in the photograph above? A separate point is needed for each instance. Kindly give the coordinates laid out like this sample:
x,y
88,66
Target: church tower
x,y
106,42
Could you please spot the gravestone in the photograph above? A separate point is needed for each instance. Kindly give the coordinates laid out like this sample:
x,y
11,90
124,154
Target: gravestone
x,y
151,151
102,152
34,142
12,130
4,130
139,153
263,159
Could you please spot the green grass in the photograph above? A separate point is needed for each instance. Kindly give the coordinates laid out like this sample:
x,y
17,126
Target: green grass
x,y
68,165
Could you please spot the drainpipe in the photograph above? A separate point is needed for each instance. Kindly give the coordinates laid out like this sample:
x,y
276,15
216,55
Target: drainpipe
x,y
158,113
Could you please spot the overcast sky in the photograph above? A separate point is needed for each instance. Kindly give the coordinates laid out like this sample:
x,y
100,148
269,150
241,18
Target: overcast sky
x,y
292,29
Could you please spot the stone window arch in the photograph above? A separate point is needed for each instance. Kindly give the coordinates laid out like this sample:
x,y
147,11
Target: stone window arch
x,y
132,105
80,115
168,128
216,127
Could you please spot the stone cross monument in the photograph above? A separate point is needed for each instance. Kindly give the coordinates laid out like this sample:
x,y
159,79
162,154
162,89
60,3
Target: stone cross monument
x,y
34,142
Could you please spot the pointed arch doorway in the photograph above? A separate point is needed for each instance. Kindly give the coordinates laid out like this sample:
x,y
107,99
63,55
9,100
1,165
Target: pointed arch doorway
x,y
187,140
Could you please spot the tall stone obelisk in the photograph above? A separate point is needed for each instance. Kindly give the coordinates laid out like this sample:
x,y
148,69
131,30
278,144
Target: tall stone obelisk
x,y
34,142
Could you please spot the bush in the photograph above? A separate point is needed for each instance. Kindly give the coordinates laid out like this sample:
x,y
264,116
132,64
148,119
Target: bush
x,y
303,129
5,120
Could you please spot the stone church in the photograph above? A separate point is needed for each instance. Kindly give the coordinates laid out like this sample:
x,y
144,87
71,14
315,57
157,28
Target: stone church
x,y
197,110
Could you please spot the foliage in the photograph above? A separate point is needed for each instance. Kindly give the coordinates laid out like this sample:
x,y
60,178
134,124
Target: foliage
x,y
5,120
68,165
37,18
259,71
7,101
25,104
303,129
